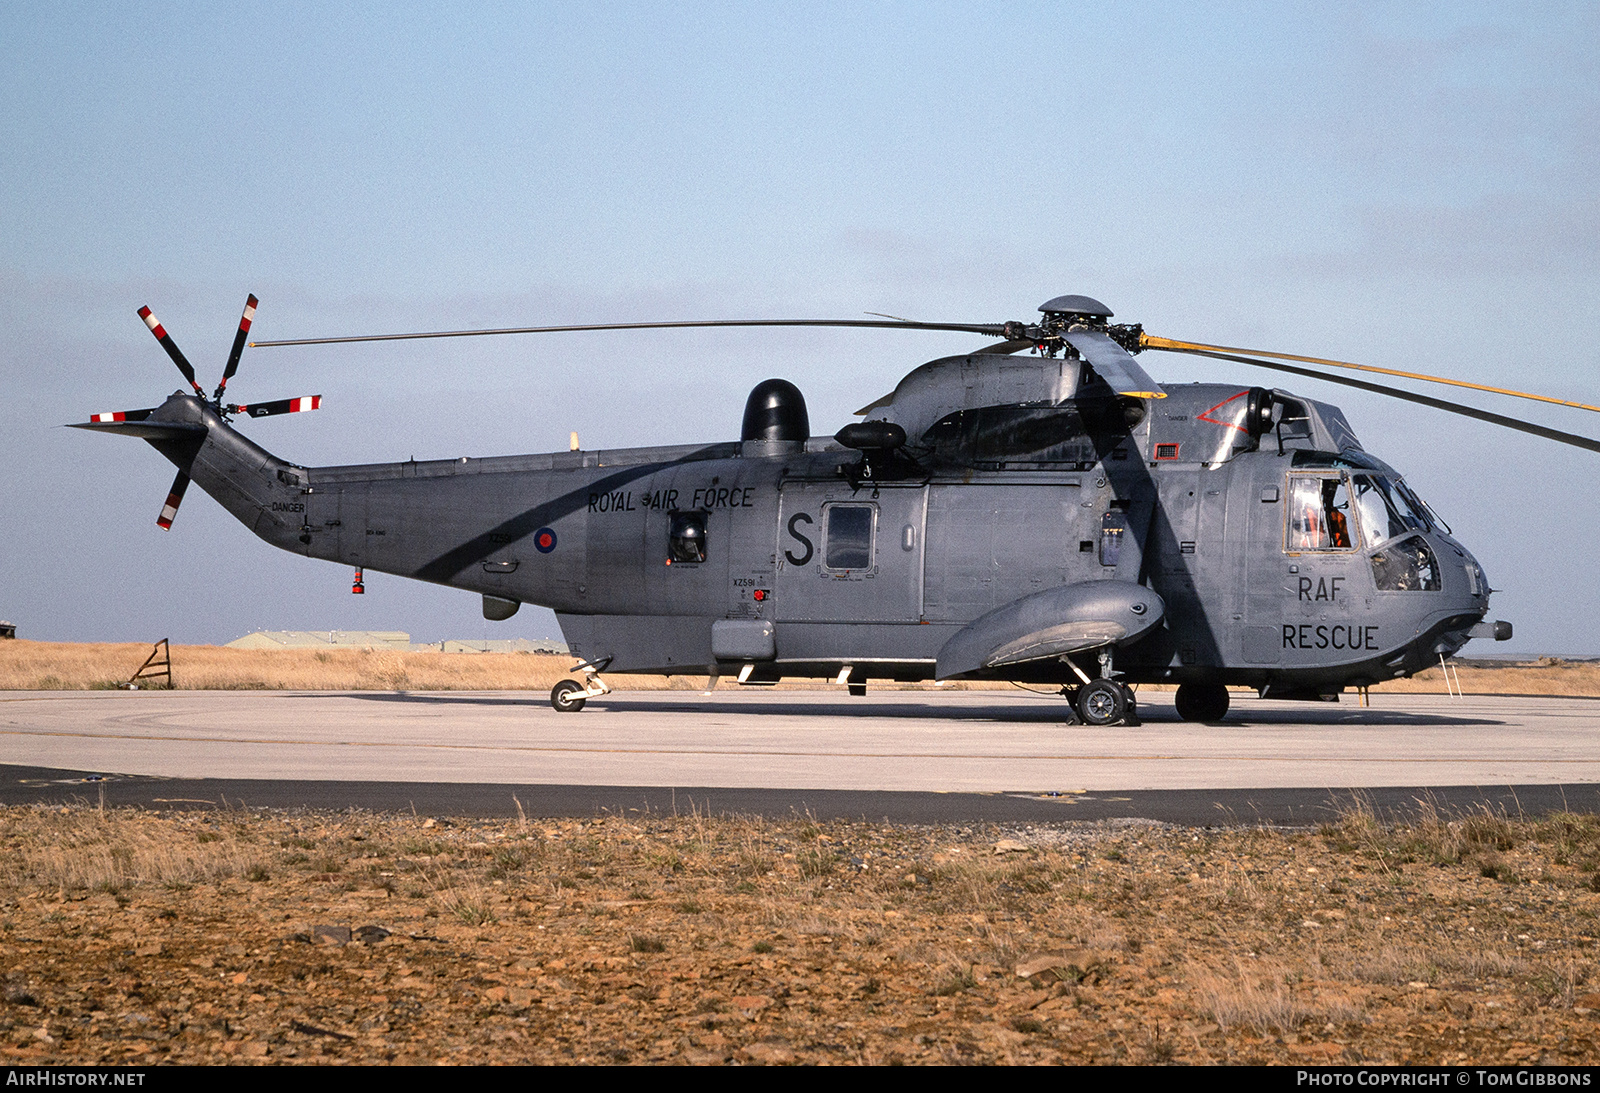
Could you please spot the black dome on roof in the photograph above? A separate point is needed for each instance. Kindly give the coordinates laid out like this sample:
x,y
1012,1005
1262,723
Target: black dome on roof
x,y
1076,305
776,411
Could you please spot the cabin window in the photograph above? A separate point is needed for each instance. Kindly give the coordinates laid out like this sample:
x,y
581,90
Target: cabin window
x,y
1318,513
850,536
686,538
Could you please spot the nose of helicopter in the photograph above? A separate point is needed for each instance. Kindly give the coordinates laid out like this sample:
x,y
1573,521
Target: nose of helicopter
x,y
1458,613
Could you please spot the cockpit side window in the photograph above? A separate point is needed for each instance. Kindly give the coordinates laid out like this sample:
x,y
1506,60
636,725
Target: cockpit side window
x,y
1319,513
1386,511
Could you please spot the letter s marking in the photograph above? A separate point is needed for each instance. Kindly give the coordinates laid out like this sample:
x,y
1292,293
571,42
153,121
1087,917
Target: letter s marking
x,y
799,537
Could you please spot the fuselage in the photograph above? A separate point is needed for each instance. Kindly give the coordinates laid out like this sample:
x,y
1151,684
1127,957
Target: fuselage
x,y
1291,561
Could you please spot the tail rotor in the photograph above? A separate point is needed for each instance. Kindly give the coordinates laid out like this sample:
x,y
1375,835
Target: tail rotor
x,y
156,427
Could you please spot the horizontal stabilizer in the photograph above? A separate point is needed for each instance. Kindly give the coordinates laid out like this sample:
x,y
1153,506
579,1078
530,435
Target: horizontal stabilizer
x,y
143,428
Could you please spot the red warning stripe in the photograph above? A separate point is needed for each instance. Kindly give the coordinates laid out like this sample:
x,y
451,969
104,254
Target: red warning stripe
x,y
249,314
152,322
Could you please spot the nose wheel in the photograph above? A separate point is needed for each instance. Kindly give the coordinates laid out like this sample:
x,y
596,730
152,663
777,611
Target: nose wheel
x,y
1105,702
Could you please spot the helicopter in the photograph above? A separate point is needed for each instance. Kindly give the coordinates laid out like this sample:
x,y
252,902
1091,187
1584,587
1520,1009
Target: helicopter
x,y
1039,511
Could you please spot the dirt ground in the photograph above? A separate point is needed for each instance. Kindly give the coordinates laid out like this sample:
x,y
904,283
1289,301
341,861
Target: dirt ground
x,y
269,937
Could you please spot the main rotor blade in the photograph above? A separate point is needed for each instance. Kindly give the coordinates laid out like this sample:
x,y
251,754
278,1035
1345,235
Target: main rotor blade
x,y
1421,400
1149,341
1003,349
238,345
174,499
172,348
1114,364
993,330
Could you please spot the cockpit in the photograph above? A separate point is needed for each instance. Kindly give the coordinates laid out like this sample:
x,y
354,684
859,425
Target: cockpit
x,y
1351,503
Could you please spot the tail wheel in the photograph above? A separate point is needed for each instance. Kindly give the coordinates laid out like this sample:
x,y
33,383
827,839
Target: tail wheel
x,y
1202,701
1103,702
567,696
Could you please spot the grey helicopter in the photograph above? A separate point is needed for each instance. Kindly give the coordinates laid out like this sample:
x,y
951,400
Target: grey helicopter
x,y
1039,511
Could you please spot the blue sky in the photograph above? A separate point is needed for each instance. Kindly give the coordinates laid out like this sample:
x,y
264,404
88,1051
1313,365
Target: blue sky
x,y
1410,186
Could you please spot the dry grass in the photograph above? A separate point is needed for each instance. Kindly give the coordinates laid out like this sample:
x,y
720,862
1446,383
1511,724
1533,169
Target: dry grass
x,y
72,666
1543,676
38,665
100,852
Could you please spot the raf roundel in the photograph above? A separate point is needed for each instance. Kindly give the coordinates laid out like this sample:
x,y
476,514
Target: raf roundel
x,y
544,540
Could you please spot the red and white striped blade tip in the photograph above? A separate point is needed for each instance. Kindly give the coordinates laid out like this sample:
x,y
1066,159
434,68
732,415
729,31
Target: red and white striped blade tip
x,y
168,511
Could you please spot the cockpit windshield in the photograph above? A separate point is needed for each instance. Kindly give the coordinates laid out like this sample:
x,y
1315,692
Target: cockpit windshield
x,y
1387,508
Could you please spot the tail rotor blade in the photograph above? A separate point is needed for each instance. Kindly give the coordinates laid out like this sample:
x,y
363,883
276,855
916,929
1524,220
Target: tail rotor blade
x,y
120,415
174,499
280,406
245,320
172,348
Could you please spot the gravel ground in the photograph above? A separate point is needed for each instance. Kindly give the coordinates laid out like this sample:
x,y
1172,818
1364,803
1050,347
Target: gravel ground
x,y
271,937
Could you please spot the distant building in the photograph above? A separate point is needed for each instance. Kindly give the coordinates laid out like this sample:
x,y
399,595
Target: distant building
x,y
515,645
398,640
8,629
324,639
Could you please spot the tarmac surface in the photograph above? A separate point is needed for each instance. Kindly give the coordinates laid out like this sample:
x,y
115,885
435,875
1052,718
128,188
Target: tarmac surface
x,y
917,756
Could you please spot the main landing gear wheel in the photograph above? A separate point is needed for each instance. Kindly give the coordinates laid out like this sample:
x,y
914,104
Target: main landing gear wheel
x,y
1202,701
1103,702
567,696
